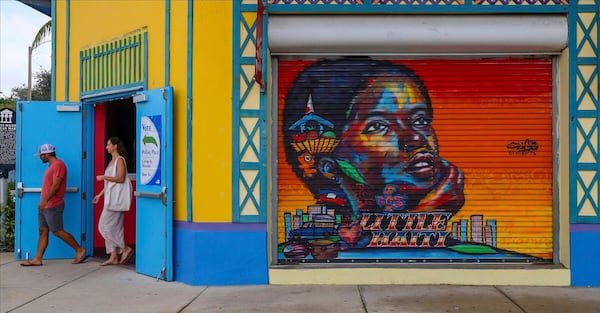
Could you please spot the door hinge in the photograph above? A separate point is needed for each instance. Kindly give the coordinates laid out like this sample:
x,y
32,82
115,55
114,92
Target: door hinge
x,y
84,196
84,114
20,107
83,155
83,237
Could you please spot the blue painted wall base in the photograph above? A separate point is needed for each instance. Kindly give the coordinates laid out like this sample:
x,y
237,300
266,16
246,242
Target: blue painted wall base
x,y
220,254
585,255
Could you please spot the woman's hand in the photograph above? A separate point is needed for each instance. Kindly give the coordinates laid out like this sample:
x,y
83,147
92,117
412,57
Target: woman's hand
x,y
96,199
100,177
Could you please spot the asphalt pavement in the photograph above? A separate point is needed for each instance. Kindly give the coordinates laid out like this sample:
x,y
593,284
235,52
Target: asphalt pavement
x,y
59,286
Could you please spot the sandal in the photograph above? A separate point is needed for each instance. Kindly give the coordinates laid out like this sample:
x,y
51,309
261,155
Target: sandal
x,y
28,263
127,254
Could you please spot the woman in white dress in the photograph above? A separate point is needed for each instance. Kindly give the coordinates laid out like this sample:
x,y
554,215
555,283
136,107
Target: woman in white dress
x,y
116,203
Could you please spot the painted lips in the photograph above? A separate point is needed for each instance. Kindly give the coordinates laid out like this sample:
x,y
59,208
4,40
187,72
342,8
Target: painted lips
x,y
422,165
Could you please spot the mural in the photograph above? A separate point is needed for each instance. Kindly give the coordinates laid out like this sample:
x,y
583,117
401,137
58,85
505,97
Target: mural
x,y
365,176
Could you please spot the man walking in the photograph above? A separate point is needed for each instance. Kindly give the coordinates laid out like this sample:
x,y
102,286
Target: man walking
x,y
51,206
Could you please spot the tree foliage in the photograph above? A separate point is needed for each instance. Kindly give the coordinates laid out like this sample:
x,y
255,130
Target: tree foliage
x,y
7,224
7,102
41,89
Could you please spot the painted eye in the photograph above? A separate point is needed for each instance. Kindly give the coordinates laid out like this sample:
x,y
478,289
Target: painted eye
x,y
308,158
421,121
374,127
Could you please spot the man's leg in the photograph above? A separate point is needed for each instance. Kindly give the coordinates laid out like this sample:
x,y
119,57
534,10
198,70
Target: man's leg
x,y
54,218
41,246
43,231
70,240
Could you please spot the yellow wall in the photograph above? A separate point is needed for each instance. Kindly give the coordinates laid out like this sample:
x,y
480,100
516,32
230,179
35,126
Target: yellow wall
x,y
94,22
212,117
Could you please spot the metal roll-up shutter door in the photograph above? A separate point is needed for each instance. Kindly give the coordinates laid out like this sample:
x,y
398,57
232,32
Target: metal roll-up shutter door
x,y
441,160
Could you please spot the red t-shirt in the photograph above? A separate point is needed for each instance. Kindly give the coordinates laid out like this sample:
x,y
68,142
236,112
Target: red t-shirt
x,y
56,169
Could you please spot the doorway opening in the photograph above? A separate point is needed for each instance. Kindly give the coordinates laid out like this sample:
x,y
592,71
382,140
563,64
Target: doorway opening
x,y
114,118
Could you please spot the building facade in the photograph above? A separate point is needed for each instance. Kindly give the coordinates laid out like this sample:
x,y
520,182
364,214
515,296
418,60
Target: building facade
x,y
344,141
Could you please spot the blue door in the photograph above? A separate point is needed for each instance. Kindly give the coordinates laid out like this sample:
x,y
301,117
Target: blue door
x,y
62,125
154,183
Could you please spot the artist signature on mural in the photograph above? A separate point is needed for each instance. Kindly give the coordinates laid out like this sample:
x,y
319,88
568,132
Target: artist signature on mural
x,y
524,147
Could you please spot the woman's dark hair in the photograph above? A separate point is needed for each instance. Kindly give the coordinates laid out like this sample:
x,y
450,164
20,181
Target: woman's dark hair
x,y
120,145
332,86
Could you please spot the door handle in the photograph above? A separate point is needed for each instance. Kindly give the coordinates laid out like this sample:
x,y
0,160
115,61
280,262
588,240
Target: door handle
x,y
21,190
162,195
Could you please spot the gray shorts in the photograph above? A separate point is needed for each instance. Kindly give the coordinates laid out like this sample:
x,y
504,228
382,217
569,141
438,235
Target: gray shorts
x,y
51,218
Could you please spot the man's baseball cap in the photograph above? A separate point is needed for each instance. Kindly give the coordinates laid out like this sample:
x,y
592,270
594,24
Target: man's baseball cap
x,y
45,148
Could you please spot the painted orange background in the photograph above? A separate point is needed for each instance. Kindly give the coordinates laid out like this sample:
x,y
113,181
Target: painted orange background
x,y
480,106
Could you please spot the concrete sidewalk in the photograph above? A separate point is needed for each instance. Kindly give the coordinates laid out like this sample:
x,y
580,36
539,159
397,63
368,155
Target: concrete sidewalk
x,y
59,286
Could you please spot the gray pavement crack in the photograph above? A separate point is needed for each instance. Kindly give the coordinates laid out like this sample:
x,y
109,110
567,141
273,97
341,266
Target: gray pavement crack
x,y
52,290
511,299
194,299
362,299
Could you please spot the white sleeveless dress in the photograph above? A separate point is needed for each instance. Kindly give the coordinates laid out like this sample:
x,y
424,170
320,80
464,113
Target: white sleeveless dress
x,y
110,224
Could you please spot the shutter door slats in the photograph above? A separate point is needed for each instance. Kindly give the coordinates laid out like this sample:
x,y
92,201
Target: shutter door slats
x,y
344,193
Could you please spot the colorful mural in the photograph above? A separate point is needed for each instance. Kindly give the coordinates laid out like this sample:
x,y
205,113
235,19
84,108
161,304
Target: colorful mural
x,y
370,175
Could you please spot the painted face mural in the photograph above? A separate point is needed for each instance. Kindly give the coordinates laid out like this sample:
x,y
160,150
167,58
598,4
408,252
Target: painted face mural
x,y
388,151
360,135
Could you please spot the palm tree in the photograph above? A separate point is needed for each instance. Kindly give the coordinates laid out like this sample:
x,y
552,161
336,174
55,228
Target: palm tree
x,y
42,33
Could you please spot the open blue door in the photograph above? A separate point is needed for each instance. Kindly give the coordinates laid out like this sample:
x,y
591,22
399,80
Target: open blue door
x,y
154,186
62,125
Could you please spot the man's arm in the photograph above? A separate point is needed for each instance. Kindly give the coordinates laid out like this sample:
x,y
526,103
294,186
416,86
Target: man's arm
x,y
53,190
